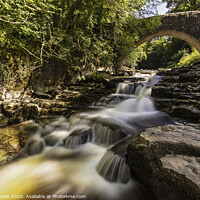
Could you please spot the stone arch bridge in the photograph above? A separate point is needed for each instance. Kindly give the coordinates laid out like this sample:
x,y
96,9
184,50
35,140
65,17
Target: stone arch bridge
x,y
182,25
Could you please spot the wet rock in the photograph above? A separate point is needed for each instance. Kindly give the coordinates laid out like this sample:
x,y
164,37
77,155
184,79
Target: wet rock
x,y
35,145
179,92
187,77
13,139
166,160
189,112
78,136
17,111
52,102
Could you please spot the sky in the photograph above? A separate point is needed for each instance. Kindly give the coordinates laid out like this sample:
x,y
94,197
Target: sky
x,y
162,9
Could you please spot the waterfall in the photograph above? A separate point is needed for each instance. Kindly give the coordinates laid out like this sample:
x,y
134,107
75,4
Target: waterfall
x,y
85,154
114,168
78,135
126,90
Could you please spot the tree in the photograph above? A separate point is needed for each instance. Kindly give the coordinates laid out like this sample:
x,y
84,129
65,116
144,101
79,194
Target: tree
x,y
182,5
25,37
83,34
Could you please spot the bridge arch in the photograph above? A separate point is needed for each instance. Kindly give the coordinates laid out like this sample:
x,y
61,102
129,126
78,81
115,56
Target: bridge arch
x,y
182,25
180,35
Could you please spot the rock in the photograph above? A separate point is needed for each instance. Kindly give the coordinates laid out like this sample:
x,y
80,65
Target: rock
x,y
179,92
187,77
166,160
172,78
41,95
12,94
189,112
185,165
2,93
30,111
17,111
13,139
3,120
65,99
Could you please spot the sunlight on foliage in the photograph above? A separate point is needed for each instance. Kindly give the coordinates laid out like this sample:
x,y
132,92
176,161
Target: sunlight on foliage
x,y
189,59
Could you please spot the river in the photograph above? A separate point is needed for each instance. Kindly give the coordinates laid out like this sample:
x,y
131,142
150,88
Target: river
x,y
84,155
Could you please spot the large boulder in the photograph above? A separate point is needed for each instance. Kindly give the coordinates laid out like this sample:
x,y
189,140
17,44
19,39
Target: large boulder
x,y
166,160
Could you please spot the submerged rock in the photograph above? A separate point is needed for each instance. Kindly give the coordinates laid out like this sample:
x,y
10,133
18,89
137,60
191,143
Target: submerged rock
x,y
166,160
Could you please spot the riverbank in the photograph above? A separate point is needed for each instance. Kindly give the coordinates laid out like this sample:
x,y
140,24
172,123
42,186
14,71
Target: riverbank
x,y
19,106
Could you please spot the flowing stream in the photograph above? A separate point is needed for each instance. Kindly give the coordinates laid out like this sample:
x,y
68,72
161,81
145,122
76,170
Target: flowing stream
x,y
84,155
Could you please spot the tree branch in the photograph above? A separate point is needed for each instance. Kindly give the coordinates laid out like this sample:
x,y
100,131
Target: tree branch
x,y
30,52
6,21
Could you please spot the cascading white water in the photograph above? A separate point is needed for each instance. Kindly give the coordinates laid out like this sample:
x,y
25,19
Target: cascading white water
x,y
112,100
84,154
58,172
128,90
125,88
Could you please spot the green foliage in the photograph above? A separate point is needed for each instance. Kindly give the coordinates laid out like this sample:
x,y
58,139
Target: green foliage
x,y
163,52
23,37
137,55
83,34
177,57
97,76
4,72
182,5
188,59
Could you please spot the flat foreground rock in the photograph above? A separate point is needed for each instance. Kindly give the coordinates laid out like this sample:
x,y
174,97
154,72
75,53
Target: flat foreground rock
x,y
166,160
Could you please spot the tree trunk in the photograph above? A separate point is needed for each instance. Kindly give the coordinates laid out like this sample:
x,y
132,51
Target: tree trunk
x,y
118,65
